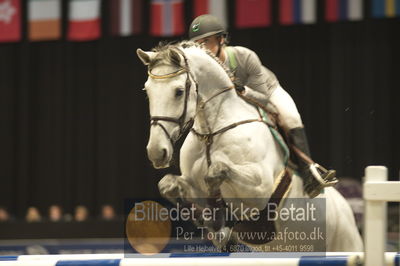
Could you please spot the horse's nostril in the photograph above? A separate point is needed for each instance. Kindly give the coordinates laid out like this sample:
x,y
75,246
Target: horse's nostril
x,y
164,154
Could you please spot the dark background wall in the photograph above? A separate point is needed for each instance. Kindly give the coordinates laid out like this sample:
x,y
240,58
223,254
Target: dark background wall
x,y
74,121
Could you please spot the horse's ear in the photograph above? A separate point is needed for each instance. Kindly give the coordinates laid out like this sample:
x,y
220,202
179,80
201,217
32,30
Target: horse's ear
x,y
146,57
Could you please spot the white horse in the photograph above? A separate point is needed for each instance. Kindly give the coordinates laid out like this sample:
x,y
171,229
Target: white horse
x,y
241,160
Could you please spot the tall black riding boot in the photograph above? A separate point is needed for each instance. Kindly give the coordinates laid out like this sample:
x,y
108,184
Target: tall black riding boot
x,y
314,176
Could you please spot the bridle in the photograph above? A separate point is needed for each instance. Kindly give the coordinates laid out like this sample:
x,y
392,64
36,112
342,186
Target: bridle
x,y
183,126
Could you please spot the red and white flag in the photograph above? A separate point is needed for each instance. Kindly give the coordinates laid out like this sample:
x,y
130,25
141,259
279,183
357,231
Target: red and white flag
x,y
216,8
126,17
84,20
253,13
167,18
10,20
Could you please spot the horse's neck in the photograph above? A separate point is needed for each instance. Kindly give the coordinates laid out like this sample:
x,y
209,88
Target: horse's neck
x,y
224,109
220,110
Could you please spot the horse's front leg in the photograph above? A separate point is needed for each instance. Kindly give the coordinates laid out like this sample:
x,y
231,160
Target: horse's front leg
x,y
174,187
217,173
169,187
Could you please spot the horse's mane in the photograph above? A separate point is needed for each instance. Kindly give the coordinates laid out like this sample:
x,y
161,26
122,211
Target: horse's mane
x,y
168,53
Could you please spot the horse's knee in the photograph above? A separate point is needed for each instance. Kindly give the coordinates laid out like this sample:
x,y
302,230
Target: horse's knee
x,y
169,187
217,174
218,169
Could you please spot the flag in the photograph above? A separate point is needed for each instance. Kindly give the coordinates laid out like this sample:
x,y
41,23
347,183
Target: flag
x,y
167,18
385,8
10,20
297,11
44,18
216,8
84,20
336,10
126,17
253,13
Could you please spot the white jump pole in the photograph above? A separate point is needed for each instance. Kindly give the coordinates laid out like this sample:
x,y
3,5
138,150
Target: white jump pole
x,y
377,192
234,259
374,217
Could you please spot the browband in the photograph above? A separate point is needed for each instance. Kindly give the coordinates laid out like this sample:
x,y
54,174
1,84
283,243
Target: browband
x,y
166,76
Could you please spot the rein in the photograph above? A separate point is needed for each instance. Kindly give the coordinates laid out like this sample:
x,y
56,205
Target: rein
x,y
203,104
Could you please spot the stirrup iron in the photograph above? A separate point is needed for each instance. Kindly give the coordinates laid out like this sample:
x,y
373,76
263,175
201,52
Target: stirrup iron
x,y
321,178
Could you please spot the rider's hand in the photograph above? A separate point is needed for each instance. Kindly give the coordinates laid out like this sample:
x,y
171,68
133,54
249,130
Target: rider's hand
x,y
240,89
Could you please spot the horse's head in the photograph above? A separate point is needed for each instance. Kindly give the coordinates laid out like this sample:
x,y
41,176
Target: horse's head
x,y
171,92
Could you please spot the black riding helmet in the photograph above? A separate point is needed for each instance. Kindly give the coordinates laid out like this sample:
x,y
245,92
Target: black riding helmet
x,y
204,26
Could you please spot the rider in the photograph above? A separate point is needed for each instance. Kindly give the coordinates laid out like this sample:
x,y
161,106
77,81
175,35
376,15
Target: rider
x,y
260,85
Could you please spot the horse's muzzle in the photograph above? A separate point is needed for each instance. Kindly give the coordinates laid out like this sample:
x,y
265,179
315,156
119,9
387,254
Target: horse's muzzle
x,y
159,157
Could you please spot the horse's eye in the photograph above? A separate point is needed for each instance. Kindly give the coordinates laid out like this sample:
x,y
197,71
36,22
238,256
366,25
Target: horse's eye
x,y
178,92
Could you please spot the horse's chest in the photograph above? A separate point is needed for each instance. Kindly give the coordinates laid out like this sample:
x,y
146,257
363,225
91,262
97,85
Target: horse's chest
x,y
193,156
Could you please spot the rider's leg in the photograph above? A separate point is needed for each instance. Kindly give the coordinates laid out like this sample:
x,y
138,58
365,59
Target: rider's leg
x,y
288,115
289,119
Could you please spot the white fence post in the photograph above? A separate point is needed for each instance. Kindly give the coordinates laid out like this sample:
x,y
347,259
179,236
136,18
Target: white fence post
x,y
375,219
